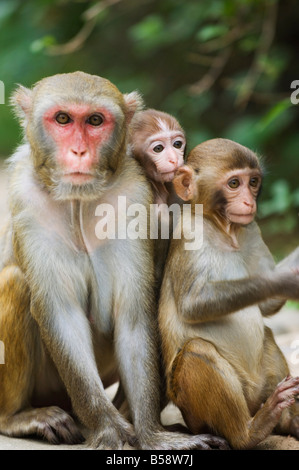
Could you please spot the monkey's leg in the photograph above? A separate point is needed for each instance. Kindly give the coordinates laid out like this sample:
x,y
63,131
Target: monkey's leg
x,y
20,336
121,403
209,393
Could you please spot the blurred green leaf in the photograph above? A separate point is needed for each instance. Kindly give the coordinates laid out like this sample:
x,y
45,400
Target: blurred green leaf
x,y
211,31
7,7
274,113
244,131
198,136
280,201
292,304
148,31
284,225
39,44
249,43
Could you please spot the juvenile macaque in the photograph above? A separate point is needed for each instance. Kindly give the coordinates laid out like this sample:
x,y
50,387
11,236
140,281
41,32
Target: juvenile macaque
x,y
75,308
222,362
158,142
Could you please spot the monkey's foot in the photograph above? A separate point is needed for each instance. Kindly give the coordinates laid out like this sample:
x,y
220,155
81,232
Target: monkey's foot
x,y
268,416
51,423
282,397
177,441
112,436
57,426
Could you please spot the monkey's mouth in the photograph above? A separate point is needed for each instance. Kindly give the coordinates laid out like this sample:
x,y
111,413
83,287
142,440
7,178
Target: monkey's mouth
x,y
249,214
168,175
78,177
242,219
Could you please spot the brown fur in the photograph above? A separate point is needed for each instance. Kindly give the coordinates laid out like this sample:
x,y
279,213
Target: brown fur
x,y
222,364
146,124
76,310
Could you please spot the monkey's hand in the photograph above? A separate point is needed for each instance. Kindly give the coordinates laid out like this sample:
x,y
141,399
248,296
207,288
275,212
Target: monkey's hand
x,y
112,434
288,283
163,440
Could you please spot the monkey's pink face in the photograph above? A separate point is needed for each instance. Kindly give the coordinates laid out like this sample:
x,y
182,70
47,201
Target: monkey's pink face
x,y
78,131
166,152
241,188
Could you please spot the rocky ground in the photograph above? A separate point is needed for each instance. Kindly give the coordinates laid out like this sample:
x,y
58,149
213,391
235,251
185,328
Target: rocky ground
x,y
285,326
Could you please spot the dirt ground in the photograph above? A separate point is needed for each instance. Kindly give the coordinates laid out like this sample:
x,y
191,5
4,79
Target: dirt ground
x,y
286,329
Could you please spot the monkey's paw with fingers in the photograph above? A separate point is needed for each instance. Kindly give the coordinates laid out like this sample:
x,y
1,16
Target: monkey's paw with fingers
x,y
56,426
283,397
163,440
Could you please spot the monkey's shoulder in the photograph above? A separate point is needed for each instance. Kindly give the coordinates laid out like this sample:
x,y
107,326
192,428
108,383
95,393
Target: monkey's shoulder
x,y
23,189
133,183
215,258
248,238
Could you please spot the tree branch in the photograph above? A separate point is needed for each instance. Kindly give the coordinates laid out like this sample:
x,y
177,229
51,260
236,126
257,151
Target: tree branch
x,y
90,18
208,80
257,68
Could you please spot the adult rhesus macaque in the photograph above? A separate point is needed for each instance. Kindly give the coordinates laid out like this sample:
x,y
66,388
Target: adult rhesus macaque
x,y
76,307
222,362
158,142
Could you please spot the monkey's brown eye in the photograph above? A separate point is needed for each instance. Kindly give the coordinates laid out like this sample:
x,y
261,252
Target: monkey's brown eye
x,y
254,182
95,120
158,148
234,183
63,118
178,144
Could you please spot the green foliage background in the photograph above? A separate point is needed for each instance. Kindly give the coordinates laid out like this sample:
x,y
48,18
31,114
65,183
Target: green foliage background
x,y
224,68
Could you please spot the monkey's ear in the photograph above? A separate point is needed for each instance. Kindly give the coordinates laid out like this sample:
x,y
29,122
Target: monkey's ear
x,y
134,103
184,184
21,101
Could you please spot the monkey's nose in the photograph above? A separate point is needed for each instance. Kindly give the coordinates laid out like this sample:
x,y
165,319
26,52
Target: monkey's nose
x,y
249,204
79,153
173,159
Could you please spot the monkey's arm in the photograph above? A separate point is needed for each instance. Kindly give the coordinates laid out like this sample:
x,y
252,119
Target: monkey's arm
x,y
138,367
58,292
207,301
271,306
291,261
266,264
207,293
136,339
